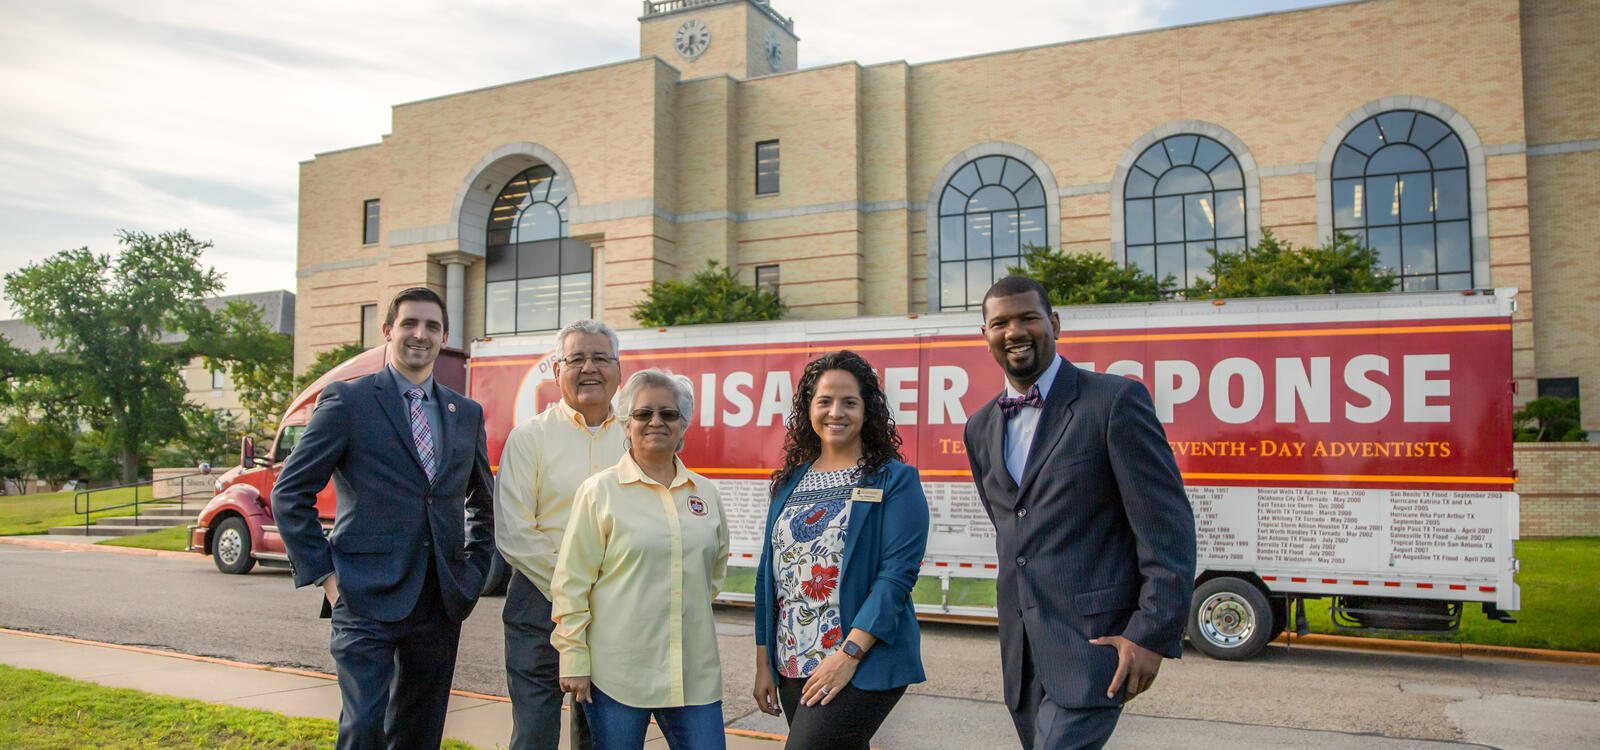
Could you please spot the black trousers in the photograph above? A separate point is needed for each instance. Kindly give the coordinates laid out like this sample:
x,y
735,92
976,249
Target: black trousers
x,y
533,673
845,723
394,677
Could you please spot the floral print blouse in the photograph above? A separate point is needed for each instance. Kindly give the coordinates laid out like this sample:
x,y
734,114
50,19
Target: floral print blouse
x,y
807,551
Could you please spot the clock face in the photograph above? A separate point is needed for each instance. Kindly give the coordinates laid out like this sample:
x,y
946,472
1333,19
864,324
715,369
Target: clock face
x,y
692,39
774,50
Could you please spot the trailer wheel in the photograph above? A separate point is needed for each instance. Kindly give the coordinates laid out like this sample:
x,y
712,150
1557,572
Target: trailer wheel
x,y
1230,619
231,547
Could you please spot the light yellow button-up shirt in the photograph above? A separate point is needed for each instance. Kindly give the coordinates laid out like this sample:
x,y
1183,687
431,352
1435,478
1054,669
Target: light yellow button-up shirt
x,y
543,462
633,586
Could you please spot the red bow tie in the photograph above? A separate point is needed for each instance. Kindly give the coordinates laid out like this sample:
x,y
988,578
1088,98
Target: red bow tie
x,y
1010,407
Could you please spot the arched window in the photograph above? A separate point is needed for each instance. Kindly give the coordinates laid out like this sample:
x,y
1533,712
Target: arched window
x,y
1183,196
990,211
1400,187
536,278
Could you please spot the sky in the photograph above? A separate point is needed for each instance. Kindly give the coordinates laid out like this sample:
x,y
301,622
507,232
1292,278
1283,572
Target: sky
x,y
167,114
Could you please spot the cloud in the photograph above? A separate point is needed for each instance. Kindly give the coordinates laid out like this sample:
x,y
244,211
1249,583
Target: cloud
x,y
170,113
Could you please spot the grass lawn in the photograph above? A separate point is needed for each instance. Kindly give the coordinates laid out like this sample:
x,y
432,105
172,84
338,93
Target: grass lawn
x,y
1560,581
35,514
42,710
174,538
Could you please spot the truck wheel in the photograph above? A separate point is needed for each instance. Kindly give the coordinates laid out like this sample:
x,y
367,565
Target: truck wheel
x,y
1229,619
499,575
231,547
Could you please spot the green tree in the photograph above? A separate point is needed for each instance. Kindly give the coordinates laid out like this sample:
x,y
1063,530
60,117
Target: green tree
x,y
1090,278
320,365
1549,420
100,455
113,321
710,296
1275,268
40,447
211,435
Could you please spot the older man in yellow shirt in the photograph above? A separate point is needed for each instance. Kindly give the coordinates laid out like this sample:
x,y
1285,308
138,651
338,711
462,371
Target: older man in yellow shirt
x,y
541,466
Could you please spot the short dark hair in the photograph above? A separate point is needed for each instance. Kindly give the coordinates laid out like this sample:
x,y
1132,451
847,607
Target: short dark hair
x,y
416,294
1011,285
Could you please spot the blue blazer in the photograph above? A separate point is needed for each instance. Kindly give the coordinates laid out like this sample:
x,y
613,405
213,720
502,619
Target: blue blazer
x,y
389,519
883,549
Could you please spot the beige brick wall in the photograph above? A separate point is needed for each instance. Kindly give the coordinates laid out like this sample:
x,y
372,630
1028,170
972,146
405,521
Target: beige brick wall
x,y
1559,484
1559,55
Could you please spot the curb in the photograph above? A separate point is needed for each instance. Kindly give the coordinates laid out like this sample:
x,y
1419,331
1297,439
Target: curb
x,y
1461,650
23,541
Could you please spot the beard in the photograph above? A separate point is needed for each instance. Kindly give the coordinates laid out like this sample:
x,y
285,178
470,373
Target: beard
x,y
1028,370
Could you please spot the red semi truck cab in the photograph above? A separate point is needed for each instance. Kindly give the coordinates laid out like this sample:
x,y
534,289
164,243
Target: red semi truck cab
x,y
236,528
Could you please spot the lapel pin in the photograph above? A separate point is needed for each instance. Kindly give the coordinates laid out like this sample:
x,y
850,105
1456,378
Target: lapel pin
x,y
452,408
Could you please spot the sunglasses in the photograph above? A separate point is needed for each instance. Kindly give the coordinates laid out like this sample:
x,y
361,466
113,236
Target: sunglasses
x,y
667,415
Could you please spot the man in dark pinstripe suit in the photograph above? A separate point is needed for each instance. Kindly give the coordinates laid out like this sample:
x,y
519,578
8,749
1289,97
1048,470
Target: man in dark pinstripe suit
x,y
1094,532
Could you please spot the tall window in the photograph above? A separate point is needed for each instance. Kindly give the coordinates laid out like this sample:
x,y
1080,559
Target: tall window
x,y
991,210
1400,187
767,168
371,329
369,225
1184,195
536,278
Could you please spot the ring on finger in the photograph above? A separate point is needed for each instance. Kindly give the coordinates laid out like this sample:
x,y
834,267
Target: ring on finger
x,y
824,690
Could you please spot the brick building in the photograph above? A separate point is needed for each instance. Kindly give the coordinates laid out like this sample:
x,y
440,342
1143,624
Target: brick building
x,y
1462,139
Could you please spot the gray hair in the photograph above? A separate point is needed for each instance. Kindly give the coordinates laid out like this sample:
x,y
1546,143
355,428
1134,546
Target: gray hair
x,y
586,326
654,378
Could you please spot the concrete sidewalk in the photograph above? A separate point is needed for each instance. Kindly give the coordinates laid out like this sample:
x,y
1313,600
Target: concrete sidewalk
x,y
482,720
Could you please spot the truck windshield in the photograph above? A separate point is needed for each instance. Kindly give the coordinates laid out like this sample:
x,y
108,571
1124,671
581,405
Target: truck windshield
x,y
286,440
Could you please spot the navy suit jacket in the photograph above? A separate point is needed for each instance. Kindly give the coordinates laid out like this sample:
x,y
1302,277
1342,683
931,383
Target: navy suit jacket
x,y
1097,540
883,549
389,519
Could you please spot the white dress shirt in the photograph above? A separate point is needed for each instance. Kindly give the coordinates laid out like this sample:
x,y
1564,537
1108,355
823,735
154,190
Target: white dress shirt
x,y
1020,428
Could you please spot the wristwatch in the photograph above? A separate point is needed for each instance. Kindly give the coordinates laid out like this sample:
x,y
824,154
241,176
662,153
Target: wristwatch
x,y
853,650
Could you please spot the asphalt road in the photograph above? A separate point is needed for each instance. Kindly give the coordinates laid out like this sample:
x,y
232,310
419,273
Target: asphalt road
x,y
1286,698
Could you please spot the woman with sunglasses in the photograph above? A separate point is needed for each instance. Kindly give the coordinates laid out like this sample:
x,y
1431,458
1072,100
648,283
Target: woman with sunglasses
x,y
644,554
836,636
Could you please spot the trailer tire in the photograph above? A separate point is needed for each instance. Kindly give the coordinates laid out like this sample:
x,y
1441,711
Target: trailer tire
x,y
230,547
1230,619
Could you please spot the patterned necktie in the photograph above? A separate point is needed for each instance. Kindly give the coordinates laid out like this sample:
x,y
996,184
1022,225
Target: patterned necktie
x,y
420,431
1011,407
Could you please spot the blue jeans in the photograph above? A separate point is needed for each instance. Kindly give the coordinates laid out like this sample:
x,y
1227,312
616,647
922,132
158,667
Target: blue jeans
x,y
617,726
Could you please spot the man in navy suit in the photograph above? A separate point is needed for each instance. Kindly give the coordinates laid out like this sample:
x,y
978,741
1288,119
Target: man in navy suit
x,y
412,535
1094,532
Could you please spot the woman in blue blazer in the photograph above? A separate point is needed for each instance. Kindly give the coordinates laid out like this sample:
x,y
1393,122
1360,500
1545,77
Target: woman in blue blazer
x,y
836,636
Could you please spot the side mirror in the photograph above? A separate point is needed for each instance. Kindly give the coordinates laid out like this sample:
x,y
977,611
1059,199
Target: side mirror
x,y
247,452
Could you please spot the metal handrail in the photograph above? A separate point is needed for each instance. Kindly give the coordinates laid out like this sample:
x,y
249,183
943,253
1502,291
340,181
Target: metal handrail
x,y
87,508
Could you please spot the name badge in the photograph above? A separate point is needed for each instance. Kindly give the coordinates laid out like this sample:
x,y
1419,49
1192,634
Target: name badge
x,y
864,495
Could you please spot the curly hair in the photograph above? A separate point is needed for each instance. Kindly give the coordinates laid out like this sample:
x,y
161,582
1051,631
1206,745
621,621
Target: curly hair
x,y
880,441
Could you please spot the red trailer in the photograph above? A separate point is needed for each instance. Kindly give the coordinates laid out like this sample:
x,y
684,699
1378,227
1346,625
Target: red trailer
x,y
1353,448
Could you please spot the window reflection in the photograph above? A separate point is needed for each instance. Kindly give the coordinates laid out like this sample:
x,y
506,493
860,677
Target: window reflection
x,y
992,209
1400,186
1183,196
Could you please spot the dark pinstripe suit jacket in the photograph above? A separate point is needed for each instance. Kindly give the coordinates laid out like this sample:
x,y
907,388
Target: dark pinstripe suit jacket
x,y
1098,539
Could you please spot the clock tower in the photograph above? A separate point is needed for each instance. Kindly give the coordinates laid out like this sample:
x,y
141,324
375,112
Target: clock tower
x,y
738,38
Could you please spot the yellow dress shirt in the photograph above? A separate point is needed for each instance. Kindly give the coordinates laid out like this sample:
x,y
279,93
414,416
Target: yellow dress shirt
x,y
633,586
543,462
